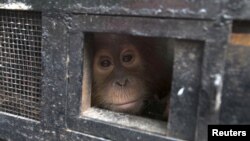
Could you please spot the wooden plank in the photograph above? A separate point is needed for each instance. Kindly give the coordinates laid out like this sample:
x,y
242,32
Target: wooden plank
x,y
240,39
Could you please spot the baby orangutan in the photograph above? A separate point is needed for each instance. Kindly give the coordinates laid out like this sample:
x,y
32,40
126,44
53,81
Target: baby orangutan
x,y
125,72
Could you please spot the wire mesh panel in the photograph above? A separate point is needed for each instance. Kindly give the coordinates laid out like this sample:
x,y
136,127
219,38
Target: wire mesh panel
x,y
20,63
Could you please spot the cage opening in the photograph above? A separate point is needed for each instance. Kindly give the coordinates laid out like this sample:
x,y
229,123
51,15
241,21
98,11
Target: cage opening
x,y
240,33
155,109
159,61
145,63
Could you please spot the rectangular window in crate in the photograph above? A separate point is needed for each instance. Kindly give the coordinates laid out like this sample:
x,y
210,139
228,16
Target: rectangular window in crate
x,y
240,33
127,79
20,63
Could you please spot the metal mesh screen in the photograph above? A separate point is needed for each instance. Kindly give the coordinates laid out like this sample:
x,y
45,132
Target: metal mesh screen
x,y
20,63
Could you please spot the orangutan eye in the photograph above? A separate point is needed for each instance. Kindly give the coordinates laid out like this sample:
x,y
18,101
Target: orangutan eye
x,y
127,58
105,63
